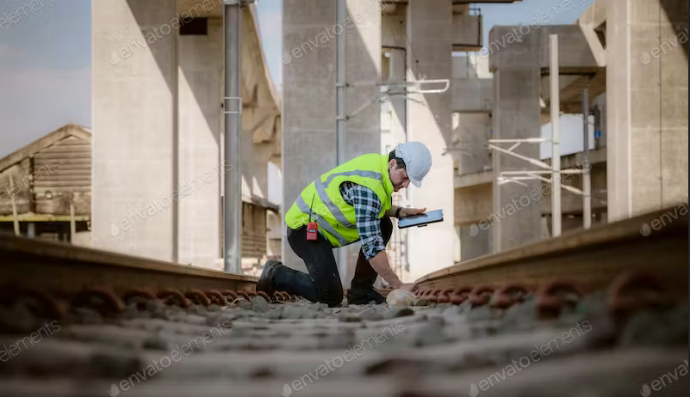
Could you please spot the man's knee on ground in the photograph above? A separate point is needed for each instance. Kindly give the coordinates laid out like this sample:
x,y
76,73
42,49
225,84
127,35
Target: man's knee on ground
x,y
332,297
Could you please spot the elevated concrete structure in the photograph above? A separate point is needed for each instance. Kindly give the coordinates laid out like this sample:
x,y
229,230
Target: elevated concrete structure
x,y
158,133
632,58
519,106
647,88
411,40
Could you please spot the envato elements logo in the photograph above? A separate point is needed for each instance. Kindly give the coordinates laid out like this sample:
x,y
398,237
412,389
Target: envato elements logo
x,y
32,11
13,350
524,362
668,216
328,34
660,383
176,355
669,45
324,369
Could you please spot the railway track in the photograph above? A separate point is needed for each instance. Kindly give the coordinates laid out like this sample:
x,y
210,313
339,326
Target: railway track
x,y
596,313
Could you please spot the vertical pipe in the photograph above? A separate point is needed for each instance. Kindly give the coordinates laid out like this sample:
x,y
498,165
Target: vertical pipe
x,y
586,181
340,15
555,139
232,229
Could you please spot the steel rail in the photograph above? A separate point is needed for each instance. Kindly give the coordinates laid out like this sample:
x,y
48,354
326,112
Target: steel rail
x,y
64,270
591,258
655,243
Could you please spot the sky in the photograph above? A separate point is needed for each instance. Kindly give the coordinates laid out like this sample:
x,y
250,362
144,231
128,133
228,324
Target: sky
x,y
45,68
45,57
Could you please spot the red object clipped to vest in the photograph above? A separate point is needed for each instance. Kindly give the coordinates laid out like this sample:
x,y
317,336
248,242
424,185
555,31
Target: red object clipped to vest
x,y
312,231
312,227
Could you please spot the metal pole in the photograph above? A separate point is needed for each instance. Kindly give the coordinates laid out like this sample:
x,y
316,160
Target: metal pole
x,y
586,181
340,15
555,139
232,228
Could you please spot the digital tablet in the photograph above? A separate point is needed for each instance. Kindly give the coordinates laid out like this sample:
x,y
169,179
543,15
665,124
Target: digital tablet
x,y
421,219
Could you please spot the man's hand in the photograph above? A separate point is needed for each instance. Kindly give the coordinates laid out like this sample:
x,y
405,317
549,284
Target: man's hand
x,y
408,287
411,211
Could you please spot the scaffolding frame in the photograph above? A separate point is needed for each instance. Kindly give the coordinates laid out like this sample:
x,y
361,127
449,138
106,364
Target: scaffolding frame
x,y
555,168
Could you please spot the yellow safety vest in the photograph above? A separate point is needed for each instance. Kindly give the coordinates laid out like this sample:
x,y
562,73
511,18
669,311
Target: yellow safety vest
x,y
336,219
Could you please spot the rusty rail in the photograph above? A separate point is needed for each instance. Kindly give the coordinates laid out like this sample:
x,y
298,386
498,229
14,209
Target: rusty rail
x,y
64,270
590,258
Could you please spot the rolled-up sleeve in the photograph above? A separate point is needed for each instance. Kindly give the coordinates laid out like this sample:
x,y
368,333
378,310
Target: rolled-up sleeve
x,y
367,208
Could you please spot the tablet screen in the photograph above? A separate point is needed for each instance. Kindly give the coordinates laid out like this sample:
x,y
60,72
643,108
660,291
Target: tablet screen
x,y
421,219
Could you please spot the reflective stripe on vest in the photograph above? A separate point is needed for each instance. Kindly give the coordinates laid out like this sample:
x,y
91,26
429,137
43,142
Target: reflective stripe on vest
x,y
323,224
337,213
322,186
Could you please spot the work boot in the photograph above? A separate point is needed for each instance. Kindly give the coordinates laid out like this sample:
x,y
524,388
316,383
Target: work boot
x,y
362,296
265,283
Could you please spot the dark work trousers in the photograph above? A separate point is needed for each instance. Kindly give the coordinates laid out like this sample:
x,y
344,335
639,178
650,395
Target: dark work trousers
x,y
323,284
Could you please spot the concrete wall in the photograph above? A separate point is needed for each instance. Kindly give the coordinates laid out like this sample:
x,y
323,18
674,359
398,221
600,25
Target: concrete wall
x,y
474,242
573,48
394,120
309,144
647,88
473,204
200,85
363,63
467,32
516,115
471,131
429,29
134,120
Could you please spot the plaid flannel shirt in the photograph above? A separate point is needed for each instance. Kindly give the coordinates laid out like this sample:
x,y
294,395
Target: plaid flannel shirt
x,y
367,208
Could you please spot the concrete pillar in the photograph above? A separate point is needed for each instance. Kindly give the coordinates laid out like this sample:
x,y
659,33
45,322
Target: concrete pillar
x,y
516,209
394,43
309,75
200,80
134,119
429,29
647,112
394,117
363,63
475,242
309,136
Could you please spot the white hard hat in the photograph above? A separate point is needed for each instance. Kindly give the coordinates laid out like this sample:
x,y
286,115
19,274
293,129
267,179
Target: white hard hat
x,y
417,160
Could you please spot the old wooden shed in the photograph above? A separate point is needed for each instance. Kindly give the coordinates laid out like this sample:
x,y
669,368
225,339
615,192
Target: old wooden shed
x,y
45,187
